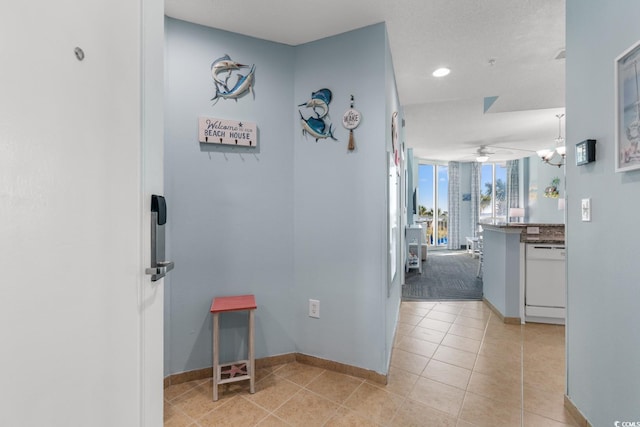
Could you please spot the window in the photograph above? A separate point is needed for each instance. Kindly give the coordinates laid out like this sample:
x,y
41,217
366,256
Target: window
x,y
493,191
433,202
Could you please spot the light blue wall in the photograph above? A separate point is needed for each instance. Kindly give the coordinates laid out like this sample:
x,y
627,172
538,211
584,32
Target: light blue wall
x,y
542,209
340,226
291,220
501,270
230,210
494,269
603,337
393,296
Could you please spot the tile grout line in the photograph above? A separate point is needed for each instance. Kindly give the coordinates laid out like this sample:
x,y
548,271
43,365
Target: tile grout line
x,y
440,344
190,418
302,387
407,396
263,418
286,400
231,398
466,391
340,404
404,398
270,412
181,394
393,348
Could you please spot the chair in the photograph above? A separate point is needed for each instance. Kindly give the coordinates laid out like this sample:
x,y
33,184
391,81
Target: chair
x,y
471,246
414,236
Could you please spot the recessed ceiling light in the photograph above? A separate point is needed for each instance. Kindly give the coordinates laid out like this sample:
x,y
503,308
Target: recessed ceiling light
x,y
441,72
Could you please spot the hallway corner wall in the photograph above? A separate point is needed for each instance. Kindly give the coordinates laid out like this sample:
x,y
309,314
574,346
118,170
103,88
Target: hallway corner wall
x,y
230,209
291,220
340,203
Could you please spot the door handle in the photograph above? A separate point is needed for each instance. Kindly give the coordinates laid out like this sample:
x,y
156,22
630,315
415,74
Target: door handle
x,y
160,270
159,266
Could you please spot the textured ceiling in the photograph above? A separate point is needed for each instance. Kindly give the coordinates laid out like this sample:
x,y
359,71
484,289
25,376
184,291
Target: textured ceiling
x,y
495,48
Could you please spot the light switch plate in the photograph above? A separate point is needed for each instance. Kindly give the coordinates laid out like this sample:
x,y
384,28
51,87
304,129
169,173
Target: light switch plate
x,y
314,308
586,209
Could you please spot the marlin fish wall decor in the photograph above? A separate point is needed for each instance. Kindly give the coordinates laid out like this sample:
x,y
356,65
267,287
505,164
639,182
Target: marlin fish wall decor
x,y
316,126
222,69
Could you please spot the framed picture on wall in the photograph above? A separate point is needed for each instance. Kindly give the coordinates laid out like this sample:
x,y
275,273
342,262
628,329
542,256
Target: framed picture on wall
x,y
627,109
394,138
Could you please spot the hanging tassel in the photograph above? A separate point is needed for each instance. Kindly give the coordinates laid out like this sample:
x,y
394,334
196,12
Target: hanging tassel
x,y
352,144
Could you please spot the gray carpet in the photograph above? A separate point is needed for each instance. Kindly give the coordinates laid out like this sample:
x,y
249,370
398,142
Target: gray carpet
x,y
446,275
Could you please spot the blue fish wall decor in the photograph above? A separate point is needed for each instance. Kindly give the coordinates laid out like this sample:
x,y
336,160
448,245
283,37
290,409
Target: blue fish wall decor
x,y
317,103
322,94
244,83
317,126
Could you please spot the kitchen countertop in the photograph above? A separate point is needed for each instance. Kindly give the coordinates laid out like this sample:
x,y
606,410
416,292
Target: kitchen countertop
x,y
502,224
549,233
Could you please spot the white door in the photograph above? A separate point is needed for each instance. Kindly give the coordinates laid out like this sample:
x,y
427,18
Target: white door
x,y
80,152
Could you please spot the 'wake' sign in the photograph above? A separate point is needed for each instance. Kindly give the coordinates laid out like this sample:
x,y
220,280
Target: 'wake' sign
x,y
228,132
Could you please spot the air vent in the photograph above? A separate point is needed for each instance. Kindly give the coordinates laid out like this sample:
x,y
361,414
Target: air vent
x,y
562,54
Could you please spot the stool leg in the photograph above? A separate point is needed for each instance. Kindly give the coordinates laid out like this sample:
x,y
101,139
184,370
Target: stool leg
x,y
252,356
215,356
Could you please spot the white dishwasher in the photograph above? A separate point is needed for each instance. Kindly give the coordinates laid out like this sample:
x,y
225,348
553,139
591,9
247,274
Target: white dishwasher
x,y
545,283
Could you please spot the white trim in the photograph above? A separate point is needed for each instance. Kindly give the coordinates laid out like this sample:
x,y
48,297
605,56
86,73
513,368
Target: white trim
x,y
151,294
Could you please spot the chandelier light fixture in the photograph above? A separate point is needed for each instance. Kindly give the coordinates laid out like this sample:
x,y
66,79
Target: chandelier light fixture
x,y
548,155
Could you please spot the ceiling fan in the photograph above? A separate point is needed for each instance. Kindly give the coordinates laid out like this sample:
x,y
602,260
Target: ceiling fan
x,y
483,153
496,153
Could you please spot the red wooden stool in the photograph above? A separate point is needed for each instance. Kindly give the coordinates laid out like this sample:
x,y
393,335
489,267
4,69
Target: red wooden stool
x,y
242,369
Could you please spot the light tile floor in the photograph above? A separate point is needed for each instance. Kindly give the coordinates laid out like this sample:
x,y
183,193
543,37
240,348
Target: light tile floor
x,y
453,364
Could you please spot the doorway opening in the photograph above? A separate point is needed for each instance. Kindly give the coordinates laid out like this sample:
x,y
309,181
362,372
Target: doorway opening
x,y
433,203
447,274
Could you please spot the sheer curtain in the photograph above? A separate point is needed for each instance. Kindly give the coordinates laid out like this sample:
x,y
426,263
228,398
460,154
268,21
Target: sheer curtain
x,y
453,241
513,184
475,196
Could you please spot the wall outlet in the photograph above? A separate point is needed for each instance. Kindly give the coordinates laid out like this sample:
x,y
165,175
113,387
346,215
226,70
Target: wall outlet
x,y
533,230
314,308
